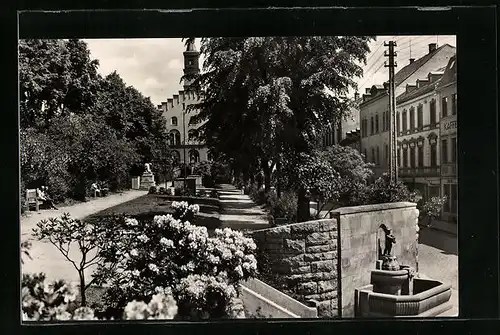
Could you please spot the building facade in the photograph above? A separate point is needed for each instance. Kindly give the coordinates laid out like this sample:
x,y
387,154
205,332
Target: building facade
x,y
374,109
182,135
447,93
417,128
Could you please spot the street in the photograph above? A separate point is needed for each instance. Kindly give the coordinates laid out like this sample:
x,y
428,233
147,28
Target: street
x,y
438,259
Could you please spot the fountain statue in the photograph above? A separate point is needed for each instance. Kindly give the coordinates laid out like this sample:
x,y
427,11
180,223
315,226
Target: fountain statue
x,y
394,289
389,261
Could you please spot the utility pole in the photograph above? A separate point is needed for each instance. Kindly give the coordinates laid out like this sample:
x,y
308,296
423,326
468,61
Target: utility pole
x,y
393,149
184,145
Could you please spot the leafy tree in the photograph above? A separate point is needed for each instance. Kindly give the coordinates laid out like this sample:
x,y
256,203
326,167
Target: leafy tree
x,y
65,232
352,170
77,127
57,77
43,79
274,94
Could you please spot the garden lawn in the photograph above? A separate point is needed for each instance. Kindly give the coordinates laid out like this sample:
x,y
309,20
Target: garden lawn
x,y
147,206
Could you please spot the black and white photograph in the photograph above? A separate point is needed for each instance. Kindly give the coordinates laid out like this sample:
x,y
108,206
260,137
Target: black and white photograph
x,y
208,178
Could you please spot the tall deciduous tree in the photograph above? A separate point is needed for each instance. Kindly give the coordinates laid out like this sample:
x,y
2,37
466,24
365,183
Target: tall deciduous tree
x,y
77,126
275,93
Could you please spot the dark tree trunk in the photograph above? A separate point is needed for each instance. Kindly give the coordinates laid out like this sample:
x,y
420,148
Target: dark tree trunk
x,y
82,287
267,176
303,212
278,178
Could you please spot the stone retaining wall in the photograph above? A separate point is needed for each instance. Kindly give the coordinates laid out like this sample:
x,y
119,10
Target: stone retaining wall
x,y
304,255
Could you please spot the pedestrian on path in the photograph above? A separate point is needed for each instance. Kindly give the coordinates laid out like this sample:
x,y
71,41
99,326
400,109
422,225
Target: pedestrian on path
x,y
43,195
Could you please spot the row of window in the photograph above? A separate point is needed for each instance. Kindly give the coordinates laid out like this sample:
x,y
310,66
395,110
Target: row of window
x,y
409,116
175,136
416,154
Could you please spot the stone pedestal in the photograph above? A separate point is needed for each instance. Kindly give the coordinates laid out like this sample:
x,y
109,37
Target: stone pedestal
x,y
147,180
197,178
136,183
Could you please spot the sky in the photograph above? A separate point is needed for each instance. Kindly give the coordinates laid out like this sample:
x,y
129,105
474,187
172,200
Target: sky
x,y
154,65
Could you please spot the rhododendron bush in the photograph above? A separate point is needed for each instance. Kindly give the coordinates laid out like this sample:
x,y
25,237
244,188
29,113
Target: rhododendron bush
x,y
204,272
55,301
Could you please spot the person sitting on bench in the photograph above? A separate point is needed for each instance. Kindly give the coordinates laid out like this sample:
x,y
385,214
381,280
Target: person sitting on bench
x,y
95,190
43,196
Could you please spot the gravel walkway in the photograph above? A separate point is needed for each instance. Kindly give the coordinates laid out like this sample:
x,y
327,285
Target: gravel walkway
x,y
239,212
46,258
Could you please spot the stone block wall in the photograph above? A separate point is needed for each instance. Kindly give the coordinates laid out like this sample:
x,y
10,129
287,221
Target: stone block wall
x,y
304,256
358,237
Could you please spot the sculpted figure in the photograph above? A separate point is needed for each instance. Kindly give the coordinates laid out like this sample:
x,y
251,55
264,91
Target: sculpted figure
x,y
148,167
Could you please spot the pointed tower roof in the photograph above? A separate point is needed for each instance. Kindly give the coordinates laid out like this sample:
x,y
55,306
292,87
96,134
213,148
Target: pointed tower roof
x,y
190,46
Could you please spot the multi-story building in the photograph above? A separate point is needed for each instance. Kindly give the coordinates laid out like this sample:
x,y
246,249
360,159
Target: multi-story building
x,y
374,108
447,97
417,129
182,135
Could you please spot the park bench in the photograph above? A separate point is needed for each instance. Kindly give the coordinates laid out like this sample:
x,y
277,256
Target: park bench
x,y
103,191
32,199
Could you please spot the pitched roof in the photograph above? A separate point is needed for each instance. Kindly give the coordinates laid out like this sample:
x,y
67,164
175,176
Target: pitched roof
x,y
450,73
405,96
409,69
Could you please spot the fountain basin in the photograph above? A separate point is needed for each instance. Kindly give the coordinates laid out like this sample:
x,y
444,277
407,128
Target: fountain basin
x,y
430,298
391,282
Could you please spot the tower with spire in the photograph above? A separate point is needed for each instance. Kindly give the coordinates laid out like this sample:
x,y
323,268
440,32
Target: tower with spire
x,y
191,62
182,134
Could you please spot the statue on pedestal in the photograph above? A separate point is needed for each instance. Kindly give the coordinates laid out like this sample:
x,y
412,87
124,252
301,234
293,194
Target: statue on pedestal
x,y
389,261
147,167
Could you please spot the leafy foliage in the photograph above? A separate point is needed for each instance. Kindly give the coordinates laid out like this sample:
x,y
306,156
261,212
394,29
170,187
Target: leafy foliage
x,y
45,301
172,252
383,190
266,95
65,233
78,127
432,208
55,301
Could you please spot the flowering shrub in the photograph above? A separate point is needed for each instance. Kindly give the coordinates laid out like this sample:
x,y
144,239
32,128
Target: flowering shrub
x,y
64,232
45,301
183,211
42,301
169,250
162,306
432,208
205,296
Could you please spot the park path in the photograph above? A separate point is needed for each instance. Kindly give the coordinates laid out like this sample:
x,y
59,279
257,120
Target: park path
x,y
239,212
46,258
